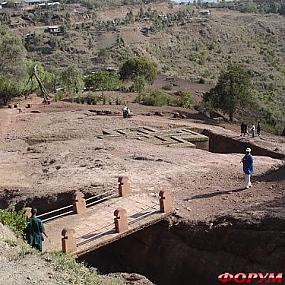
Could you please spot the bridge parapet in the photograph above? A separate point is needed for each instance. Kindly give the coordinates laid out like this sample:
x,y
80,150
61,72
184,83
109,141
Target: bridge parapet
x,y
79,203
166,202
124,186
121,220
124,223
68,241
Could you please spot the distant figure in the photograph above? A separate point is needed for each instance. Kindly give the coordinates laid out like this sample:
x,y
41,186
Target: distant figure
x,y
242,126
247,162
243,129
258,129
252,131
126,112
35,231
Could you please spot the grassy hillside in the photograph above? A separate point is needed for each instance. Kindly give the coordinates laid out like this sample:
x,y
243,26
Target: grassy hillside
x,y
182,42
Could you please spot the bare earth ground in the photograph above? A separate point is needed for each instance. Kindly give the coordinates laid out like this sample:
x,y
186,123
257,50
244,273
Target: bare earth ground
x,y
57,150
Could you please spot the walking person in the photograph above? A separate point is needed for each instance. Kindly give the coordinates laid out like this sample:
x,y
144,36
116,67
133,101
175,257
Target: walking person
x,y
35,231
252,130
258,129
247,162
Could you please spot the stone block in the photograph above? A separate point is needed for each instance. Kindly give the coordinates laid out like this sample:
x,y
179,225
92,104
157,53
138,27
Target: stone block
x,y
121,220
166,202
124,186
68,241
79,203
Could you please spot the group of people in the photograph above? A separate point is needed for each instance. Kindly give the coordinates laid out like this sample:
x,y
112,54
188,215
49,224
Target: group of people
x,y
244,130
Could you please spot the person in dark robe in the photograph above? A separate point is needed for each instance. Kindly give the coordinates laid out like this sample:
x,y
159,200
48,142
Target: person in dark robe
x,y
35,231
258,129
242,128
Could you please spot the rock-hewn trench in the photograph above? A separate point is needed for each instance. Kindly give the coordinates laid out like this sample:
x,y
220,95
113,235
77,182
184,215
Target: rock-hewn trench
x,y
187,253
223,144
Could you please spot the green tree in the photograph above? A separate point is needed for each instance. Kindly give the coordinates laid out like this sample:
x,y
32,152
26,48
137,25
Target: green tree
x,y
45,76
72,79
103,81
139,66
232,90
13,54
12,66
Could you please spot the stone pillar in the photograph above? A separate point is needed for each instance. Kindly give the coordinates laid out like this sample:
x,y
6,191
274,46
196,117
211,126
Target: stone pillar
x,y
68,241
121,220
124,186
166,202
27,212
79,203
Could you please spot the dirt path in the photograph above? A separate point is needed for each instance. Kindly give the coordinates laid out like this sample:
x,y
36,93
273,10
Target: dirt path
x,y
5,121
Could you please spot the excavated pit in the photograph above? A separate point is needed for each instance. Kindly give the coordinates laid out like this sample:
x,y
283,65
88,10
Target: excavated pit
x,y
188,253
223,144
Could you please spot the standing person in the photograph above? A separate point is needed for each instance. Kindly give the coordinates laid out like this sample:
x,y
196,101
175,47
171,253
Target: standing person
x,y
247,162
252,130
242,128
245,130
35,231
258,129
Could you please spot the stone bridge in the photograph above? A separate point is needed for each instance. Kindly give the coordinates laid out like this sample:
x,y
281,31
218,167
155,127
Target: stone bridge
x,y
87,224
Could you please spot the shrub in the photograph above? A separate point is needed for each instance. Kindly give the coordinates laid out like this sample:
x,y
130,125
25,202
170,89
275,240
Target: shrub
x,y
154,98
77,272
91,99
9,88
59,96
139,84
15,220
185,100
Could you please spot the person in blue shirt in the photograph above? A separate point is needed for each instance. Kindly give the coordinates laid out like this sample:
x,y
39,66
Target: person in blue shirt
x,y
247,162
